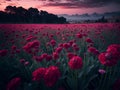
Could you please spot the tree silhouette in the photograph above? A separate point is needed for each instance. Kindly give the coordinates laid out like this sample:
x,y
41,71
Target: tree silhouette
x,y
13,14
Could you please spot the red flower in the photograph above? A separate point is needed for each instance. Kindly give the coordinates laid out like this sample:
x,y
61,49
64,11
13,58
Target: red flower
x,y
51,36
29,38
55,55
51,76
93,50
17,50
116,85
79,35
106,59
44,55
70,55
14,84
38,58
31,47
22,60
111,56
74,45
58,50
89,40
71,42
49,57
35,44
66,45
13,47
76,48
53,42
3,52
38,74
75,62
114,49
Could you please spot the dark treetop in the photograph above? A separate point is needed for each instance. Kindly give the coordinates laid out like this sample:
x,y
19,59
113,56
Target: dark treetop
x,y
13,14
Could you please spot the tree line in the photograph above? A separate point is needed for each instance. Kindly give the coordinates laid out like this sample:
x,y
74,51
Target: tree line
x,y
13,14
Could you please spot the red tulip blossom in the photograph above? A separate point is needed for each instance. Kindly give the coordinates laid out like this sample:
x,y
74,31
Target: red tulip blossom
x,y
32,47
53,43
75,63
3,52
55,55
38,74
70,55
79,35
107,60
51,76
93,50
111,56
88,40
14,84
114,49
38,58
58,49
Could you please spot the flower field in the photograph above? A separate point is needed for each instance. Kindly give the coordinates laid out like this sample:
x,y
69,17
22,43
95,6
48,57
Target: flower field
x,y
60,56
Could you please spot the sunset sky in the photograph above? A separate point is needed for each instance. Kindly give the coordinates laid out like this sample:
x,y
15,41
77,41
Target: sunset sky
x,y
66,6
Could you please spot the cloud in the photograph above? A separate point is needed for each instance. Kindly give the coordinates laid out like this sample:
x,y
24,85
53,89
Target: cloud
x,y
79,3
8,0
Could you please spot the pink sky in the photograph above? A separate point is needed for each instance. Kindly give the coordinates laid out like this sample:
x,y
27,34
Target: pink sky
x,y
66,6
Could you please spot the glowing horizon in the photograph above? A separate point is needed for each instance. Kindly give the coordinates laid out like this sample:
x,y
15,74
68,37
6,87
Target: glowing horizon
x,y
66,6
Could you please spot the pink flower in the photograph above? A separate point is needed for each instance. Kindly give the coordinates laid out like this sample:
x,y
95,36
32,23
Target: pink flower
x,y
26,63
101,71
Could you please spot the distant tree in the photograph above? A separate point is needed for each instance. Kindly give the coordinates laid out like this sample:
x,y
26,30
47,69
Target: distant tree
x,y
10,9
62,19
13,14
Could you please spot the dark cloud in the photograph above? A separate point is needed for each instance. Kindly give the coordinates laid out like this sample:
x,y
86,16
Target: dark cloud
x,y
80,3
8,0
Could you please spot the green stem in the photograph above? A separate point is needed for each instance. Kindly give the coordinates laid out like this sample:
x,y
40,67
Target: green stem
x,y
76,80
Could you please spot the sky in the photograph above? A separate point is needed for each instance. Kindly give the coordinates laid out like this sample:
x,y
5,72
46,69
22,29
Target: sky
x,y
66,6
